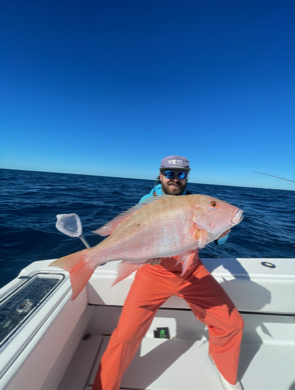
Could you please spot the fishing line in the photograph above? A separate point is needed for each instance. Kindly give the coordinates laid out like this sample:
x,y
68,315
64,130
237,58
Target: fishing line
x,y
277,177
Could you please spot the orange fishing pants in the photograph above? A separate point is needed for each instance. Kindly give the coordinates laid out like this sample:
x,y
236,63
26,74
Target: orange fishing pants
x,y
152,286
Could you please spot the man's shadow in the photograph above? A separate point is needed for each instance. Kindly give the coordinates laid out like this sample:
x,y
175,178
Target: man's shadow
x,y
249,297
241,291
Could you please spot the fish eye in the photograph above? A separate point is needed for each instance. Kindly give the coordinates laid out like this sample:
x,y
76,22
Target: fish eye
x,y
213,204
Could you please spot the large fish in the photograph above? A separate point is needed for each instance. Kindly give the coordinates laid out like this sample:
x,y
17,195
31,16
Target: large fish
x,y
163,226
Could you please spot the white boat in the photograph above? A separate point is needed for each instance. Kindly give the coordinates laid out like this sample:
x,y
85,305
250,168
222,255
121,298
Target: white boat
x,y
49,342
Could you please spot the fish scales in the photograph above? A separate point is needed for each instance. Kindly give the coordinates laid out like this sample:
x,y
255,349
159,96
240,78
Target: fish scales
x,y
158,232
162,227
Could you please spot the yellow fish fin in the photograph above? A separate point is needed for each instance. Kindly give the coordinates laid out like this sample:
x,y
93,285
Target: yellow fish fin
x,y
201,236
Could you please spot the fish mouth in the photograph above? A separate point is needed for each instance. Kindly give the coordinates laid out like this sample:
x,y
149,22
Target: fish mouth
x,y
237,218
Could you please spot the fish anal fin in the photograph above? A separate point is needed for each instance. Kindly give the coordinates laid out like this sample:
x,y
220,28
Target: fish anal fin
x,y
125,269
79,268
110,227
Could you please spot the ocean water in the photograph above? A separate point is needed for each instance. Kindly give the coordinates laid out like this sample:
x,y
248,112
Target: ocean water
x,y
30,201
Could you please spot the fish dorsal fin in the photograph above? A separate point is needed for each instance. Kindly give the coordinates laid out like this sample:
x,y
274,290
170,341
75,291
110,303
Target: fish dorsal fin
x,y
110,227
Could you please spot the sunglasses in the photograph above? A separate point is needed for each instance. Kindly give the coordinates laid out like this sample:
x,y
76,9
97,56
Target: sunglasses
x,y
170,174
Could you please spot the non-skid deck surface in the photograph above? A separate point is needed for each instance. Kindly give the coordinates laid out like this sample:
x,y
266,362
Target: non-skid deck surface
x,y
169,364
184,365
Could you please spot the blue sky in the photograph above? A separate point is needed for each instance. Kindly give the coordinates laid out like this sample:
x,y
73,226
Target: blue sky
x,y
111,87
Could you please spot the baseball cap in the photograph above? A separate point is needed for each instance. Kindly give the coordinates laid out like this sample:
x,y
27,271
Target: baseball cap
x,y
175,162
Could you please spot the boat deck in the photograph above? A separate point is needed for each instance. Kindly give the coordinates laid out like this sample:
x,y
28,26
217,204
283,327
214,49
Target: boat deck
x,y
266,362
61,344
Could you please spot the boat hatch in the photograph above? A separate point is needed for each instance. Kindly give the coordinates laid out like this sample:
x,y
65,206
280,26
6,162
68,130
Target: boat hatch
x,y
17,307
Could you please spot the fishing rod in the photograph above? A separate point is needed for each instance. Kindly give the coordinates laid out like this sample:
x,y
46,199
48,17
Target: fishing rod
x,y
277,177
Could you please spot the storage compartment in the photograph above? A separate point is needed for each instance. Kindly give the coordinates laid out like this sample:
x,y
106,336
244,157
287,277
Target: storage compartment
x,y
18,306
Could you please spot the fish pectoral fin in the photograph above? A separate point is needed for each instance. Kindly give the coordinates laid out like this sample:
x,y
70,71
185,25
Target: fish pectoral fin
x,y
201,236
186,259
125,269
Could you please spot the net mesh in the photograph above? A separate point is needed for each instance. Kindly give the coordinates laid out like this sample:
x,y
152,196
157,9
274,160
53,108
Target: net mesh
x,y
69,224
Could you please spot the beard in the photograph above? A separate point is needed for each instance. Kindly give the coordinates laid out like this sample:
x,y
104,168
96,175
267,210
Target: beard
x,y
173,188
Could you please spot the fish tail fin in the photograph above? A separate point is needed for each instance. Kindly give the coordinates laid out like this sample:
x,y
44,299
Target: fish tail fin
x,y
79,268
125,269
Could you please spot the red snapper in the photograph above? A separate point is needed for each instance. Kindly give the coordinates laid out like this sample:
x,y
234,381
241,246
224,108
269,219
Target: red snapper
x,y
163,226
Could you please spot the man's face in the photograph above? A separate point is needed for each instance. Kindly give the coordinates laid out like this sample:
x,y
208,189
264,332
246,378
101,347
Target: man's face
x,y
173,186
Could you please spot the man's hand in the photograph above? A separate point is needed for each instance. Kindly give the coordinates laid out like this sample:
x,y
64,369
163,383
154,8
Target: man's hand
x,y
224,234
154,261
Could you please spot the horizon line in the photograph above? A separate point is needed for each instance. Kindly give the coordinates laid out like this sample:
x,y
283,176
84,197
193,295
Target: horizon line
x,y
135,178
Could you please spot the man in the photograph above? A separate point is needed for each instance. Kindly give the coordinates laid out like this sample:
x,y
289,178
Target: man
x,y
157,281
173,180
